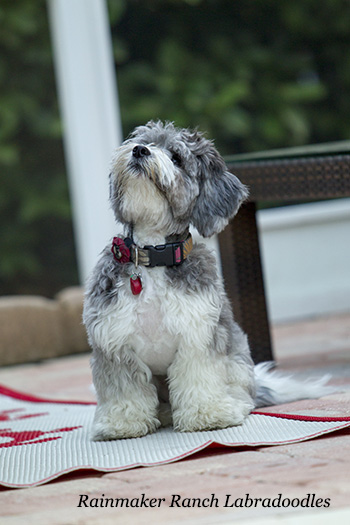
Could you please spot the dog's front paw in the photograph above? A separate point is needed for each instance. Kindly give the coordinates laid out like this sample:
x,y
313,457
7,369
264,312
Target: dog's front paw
x,y
211,416
112,424
108,432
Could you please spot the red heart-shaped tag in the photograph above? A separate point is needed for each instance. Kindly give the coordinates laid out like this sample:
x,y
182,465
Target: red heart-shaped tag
x,y
135,284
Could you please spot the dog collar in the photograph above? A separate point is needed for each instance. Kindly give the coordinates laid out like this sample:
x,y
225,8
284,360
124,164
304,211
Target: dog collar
x,y
169,254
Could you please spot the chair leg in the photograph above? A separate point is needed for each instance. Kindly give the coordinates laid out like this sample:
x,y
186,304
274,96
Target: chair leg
x,y
242,272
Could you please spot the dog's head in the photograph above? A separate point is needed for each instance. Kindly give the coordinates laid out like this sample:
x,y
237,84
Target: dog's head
x,y
171,178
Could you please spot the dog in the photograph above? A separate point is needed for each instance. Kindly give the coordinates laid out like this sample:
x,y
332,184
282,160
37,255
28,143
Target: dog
x,y
166,347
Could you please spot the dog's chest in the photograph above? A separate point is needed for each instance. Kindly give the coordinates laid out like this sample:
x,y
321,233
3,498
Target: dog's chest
x,y
152,330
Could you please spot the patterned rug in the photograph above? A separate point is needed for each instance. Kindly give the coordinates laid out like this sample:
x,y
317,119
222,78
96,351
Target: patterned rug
x,y
42,439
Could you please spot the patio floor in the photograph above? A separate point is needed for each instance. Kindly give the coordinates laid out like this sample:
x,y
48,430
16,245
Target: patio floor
x,y
320,466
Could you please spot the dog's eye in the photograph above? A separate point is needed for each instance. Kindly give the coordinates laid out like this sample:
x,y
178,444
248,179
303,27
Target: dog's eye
x,y
176,159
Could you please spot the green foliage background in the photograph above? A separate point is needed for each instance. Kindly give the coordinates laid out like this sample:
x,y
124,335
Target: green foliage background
x,y
254,74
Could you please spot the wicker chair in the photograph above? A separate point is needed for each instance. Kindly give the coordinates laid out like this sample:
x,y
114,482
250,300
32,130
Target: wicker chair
x,y
314,173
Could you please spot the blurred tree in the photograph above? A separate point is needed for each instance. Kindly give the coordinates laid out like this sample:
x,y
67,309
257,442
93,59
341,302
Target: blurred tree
x,y
255,75
36,241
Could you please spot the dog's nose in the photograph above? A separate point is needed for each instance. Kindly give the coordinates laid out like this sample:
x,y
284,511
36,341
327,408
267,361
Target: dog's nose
x,y
140,151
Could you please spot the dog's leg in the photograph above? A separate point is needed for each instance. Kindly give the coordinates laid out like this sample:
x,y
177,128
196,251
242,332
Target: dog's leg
x,y
210,388
127,401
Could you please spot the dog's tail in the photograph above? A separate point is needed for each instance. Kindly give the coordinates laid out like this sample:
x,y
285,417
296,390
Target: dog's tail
x,y
276,388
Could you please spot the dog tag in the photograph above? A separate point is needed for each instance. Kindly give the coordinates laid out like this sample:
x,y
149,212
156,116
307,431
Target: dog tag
x,y
135,284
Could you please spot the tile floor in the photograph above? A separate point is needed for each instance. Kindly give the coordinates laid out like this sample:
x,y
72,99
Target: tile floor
x,y
320,466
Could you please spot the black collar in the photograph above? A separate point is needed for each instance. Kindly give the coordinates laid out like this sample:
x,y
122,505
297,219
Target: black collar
x,y
169,254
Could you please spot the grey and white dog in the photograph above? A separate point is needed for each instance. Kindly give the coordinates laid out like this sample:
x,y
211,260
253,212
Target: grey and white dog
x,y
165,344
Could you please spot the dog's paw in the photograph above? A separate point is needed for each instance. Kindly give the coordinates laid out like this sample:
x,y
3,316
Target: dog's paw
x,y
106,431
112,424
210,417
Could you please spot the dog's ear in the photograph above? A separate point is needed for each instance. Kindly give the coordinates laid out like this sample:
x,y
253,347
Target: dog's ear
x,y
220,196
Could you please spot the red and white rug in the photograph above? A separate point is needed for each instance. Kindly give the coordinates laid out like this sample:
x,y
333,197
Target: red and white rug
x,y
42,439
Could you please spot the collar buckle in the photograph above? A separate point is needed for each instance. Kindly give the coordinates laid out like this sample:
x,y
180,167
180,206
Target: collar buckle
x,y
170,254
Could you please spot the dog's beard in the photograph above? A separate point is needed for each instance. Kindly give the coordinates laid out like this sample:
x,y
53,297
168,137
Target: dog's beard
x,y
144,168
142,190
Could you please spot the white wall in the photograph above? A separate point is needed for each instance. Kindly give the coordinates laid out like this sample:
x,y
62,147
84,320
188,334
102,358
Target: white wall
x,y
306,258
